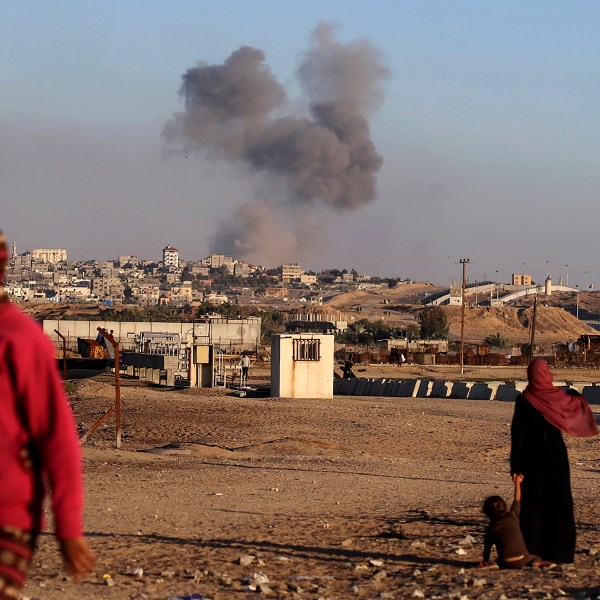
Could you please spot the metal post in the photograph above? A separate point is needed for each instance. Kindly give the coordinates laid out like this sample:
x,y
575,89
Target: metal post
x,y
117,405
533,320
64,345
577,302
463,262
497,285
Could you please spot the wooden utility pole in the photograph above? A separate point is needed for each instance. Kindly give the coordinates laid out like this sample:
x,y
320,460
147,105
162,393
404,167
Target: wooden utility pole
x,y
463,262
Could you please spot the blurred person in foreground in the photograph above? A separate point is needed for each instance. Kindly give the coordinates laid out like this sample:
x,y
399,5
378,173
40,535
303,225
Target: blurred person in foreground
x,y
39,450
543,412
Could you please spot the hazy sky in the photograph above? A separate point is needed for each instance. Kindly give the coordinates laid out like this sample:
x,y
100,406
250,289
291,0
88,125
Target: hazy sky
x,y
489,132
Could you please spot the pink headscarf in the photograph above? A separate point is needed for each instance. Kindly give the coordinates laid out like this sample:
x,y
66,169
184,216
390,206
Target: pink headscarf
x,y
571,414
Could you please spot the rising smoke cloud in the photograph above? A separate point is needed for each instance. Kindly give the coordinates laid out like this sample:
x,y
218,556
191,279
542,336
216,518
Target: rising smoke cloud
x,y
325,160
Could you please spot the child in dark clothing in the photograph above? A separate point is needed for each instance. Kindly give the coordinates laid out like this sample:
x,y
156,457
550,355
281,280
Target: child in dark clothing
x,y
504,532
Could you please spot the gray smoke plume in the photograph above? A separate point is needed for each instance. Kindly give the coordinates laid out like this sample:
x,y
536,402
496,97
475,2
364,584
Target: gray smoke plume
x,y
233,111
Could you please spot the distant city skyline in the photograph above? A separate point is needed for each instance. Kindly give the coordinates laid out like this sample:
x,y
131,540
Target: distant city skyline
x,y
584,279
487,126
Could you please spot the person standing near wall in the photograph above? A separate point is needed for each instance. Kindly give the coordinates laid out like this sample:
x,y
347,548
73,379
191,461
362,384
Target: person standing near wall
x,y
245,364
38,449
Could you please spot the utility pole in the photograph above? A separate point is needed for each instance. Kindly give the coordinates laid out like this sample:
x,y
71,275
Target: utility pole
x,y
463,262
533,323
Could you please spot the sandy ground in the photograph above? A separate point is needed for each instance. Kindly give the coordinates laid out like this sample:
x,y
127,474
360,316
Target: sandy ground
x,y
353,497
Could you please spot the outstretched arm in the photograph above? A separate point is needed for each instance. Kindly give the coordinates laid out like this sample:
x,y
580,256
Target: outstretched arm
x,y
518,478
517,438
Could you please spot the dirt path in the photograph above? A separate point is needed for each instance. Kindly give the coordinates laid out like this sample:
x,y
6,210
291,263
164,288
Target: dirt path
x,y
353,497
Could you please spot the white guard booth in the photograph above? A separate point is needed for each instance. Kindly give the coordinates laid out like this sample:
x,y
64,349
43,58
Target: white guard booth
x,y
302,365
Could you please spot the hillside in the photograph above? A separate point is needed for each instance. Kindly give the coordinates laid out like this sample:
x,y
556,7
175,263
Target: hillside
x,y
553,324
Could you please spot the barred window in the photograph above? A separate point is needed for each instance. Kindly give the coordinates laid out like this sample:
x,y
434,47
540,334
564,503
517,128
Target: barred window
x,y
307,349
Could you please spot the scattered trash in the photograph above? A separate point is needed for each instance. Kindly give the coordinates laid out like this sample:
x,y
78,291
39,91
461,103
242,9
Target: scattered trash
x,y
138,572
379,576
376,562
108,580
460,551
467,541
246,560
192,597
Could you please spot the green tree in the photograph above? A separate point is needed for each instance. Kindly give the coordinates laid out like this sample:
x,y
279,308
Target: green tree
x,y
497,340
434,323
271,322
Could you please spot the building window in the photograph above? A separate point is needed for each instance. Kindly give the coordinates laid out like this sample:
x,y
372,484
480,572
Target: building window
x,y
307,349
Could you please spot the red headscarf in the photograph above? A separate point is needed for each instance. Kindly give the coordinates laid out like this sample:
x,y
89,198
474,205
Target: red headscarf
x,y
571,414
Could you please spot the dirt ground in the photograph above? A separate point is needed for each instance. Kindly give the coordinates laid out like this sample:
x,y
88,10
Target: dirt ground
x,y
354,497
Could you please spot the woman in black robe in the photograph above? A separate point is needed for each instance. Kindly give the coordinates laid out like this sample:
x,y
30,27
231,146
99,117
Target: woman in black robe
x,y
538,452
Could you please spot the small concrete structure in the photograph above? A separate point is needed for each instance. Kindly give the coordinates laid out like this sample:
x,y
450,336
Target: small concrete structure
x,y
302,365
202,365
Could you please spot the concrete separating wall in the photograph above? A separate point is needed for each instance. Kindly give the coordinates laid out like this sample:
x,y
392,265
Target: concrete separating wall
x,y
240,334
460,390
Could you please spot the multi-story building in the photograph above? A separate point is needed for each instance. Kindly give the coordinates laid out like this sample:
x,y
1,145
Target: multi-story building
x,y
291,272
521,279
128,260
241,269
49,255
307,279
170,257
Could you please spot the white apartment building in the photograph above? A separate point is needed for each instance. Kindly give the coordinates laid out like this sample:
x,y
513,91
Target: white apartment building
x,y
170,257
49,255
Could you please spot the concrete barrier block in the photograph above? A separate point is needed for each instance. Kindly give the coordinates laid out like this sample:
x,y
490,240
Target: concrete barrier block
x,y
387,387
350,386
361,386
480,391
592,393
506,393
460,390
423,388
170,377
376,388
439,389
494,385
407,388
395,388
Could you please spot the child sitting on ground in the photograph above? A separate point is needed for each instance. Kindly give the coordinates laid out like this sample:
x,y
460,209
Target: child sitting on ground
x,y
504,532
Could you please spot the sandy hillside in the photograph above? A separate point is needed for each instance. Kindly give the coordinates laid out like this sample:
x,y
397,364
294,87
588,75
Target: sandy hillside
x,y
553,324
303,499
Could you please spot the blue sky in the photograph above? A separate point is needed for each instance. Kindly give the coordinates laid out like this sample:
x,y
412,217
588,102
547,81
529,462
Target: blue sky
x,y
489,131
